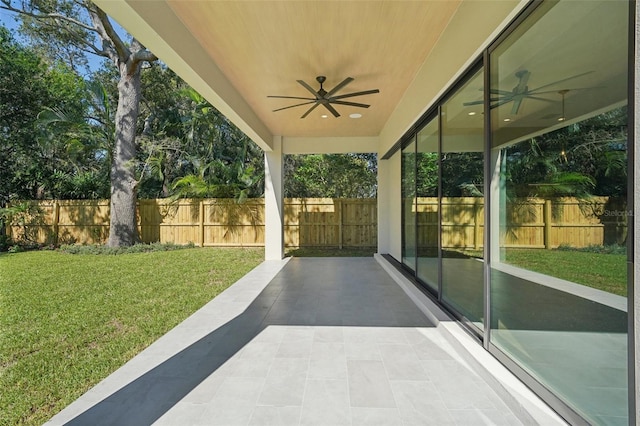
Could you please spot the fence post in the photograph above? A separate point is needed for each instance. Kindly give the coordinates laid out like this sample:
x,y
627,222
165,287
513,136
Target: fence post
x,y
547,224
340,238
201,224
476,227
56,221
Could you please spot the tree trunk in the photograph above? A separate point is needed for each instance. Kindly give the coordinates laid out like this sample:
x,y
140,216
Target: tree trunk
x,y
123,229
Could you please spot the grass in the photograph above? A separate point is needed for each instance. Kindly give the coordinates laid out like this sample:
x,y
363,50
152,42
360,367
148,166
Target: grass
x,y
607,272
67,321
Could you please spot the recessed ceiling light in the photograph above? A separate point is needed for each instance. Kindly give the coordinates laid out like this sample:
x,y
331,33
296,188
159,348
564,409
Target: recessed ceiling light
x,y
472,113
324,116
355,115
507,119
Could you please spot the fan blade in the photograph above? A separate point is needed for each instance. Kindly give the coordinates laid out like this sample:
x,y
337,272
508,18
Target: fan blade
x,y
310,109
309,88
516,105
291,97
506,101
560,81
570,90
331,110
350,95
292,106
481,102
351,104
500,92
338,87
542,99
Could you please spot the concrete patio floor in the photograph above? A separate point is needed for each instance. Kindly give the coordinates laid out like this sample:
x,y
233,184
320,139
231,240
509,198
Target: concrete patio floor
x,y
313,341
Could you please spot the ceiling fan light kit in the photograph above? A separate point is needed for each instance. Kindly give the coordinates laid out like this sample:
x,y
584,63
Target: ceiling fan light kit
x,y
324,98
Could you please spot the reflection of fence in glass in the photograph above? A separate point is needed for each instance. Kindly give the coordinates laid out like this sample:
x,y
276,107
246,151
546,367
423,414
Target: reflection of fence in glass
x,y
532,223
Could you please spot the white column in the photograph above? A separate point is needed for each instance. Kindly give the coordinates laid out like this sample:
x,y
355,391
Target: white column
x,y
273,202
394,205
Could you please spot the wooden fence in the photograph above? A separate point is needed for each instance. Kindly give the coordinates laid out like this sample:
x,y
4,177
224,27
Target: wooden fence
x,y
333,222
309,222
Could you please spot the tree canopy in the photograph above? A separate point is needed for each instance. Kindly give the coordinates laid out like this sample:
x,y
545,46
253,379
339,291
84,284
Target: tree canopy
x,y
32,163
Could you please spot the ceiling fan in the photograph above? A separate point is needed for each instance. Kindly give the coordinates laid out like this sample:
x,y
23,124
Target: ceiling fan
x,y
521,92
324,98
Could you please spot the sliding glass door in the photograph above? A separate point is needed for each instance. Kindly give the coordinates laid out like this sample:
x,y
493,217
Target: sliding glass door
x,y
409,205
462,202
559,216
427,218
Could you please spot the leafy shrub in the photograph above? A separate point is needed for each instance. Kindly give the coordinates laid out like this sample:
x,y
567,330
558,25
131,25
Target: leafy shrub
x,y
600,249
136,248
5,242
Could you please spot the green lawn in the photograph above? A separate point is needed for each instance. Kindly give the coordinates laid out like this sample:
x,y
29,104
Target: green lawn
x,y
67,321
607,272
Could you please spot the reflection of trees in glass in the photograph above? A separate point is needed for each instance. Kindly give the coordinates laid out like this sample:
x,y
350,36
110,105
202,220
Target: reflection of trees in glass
x,y
462,174
582,159
427,174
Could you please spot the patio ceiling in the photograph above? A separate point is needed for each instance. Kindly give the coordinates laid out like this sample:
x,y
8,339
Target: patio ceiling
x,y
236,53
264,47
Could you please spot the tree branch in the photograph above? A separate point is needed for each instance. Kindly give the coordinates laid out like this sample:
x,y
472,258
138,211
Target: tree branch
x,y
144,56
46,16
108,34
140,54
56,17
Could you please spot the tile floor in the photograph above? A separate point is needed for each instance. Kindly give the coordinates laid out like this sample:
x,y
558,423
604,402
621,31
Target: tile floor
x,y
316,341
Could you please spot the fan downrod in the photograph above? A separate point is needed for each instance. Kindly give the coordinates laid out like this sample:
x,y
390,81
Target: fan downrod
x,y
321,79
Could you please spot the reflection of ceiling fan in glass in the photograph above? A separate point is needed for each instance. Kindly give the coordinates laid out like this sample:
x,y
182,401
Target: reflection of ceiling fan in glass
x,y
522,92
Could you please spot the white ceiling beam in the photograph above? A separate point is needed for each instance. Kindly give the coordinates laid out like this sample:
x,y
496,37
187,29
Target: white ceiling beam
x,y
330,145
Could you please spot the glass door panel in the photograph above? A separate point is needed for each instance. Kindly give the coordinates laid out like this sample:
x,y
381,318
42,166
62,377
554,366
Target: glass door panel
x,y
558,264
427,204
462,205
408,190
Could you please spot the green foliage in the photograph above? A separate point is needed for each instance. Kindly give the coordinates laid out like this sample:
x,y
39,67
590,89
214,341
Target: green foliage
x,y
136,248
427,174
583,159
69,321
462,174
601,249
59,141
189,149
60,39
330,175
29,157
